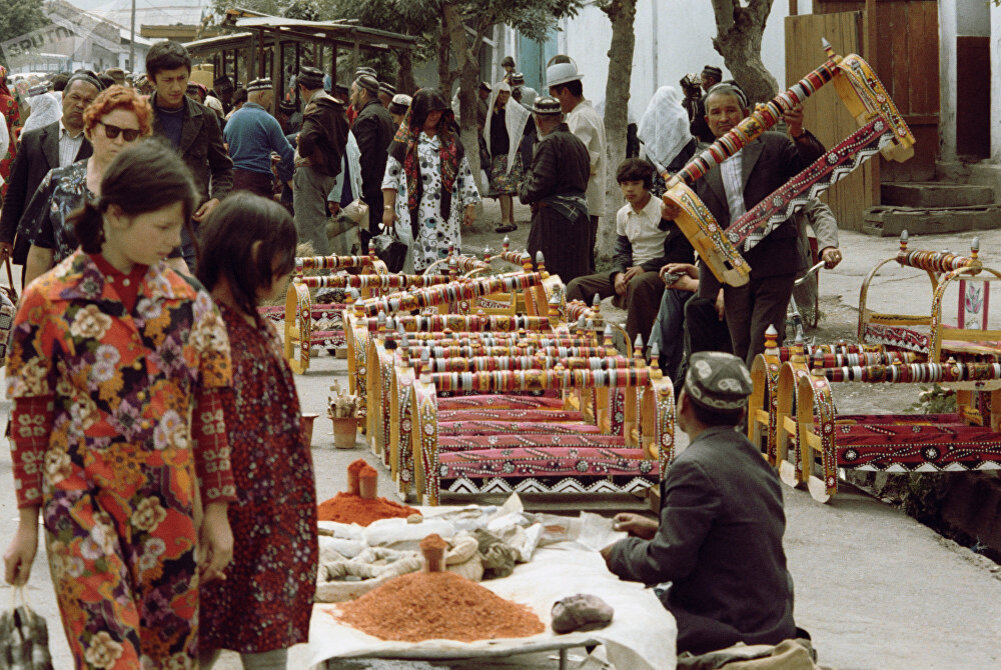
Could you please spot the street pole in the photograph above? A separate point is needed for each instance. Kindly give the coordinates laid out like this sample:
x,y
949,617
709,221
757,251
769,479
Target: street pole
x,y
132,40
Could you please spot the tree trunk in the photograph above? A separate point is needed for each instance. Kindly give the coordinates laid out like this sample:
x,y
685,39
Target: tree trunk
x,y
467,59
621,13
738,40
405,74
446,75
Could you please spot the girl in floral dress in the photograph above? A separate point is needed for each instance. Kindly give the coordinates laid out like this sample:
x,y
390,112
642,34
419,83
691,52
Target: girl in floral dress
x,y
111,352
428,189
263,605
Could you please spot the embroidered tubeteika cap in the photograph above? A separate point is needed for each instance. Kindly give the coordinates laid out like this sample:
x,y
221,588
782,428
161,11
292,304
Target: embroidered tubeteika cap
x,y
718,381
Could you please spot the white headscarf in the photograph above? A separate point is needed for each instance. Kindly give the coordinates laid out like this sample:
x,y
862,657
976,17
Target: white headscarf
x,y
664,127
45,109
515,118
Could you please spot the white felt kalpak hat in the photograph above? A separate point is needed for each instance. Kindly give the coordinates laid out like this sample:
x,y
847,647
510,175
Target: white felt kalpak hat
x,y
561,73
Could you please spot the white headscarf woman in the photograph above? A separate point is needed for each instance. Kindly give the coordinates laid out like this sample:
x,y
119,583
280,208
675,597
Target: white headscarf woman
x,y
45,109
663,129
515,118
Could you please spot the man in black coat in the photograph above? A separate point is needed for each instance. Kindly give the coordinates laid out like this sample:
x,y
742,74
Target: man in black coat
x,y
56,145
719,538
373,130
737,185
555,187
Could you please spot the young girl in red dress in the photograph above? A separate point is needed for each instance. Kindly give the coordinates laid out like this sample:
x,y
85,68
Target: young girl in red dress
x,y
263,605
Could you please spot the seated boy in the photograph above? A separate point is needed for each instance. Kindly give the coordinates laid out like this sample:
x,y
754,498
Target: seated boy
x,y
644,243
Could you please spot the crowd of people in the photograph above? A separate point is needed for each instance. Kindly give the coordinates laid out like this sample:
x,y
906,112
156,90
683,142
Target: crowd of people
x,y
153,216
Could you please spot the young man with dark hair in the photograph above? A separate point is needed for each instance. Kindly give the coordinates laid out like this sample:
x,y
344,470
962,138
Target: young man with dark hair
x,y
192,129
644,243
719,538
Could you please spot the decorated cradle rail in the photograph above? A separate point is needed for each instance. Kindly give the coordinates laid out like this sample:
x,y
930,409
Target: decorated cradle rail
x,y
508,457
453,293
882,129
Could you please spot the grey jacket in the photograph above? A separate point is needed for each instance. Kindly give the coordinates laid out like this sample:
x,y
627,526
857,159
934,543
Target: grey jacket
x,y
720,544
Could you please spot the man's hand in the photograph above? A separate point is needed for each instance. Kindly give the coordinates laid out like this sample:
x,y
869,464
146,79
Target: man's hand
x,y
669,209
831,257
215,543
634,271
794,120
720,307
636,525
621,285
333,207
206,209
6,251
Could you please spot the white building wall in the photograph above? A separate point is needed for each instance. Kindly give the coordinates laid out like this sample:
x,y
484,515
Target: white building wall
x,y
672,39
995,24
947,31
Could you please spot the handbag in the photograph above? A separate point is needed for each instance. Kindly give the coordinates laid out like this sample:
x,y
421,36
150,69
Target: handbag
x,y
8,308
390,250
24,637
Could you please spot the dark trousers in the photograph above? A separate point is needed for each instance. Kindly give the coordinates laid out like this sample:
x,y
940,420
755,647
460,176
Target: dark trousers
x,y
751,308
257,183
374,200
704,331
668,330
563,242
641,302
592,241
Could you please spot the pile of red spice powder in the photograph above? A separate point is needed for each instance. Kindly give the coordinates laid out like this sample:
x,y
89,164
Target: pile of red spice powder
x,y
349,508
435,606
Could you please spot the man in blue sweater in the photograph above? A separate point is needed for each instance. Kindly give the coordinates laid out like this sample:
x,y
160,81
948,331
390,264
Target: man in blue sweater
x,y
252,135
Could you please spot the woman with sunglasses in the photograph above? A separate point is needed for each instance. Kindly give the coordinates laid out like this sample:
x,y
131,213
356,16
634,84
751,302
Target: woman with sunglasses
x,y
116,119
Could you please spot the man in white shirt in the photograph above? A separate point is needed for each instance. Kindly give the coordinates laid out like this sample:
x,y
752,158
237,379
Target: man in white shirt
x,y
644,243
564,82
55,145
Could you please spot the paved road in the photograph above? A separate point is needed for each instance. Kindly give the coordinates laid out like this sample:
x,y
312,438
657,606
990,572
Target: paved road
x,y
875,588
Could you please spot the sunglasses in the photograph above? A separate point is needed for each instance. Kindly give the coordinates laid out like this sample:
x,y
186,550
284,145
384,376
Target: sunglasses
x,y
128,134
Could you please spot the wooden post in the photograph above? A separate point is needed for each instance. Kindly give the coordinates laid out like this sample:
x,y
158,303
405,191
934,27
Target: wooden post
x,y
333,66
298,66
433,548
793,7
276,72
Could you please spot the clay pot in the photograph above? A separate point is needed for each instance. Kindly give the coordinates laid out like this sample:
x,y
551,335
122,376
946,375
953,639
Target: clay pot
x,y
307,425
345,431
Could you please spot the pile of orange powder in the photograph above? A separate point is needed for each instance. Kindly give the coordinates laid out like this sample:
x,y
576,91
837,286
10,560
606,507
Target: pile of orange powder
x,y
359,504
437,605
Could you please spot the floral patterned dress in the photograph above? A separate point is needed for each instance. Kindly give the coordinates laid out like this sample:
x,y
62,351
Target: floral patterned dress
x,y
62,191
434,233
11,112
272,577
102,441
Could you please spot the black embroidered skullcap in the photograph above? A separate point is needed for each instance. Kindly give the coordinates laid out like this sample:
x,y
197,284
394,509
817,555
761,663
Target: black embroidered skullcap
x,y
262,84
387,88
222,84
311,78
287,107
517,78
718,381
713,71
484,86
546,106
400,103
369,83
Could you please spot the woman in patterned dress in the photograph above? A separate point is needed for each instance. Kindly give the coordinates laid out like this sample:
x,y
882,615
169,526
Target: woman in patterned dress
x,y
117,370
428,187
248,251
504,129
12,117
116,118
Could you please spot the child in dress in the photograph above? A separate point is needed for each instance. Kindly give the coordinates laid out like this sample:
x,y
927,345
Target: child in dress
x,y
263,605
111,352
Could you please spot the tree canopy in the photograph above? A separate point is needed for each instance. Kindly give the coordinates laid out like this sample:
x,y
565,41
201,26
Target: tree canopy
x,y
18,17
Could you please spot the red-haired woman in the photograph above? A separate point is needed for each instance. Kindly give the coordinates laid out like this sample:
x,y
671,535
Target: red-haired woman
x,y
118,117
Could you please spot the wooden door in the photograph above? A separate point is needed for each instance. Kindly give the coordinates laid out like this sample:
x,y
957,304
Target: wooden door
x,y
825,115
973,96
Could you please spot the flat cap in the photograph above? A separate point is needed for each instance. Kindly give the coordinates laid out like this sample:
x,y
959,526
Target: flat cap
x,y
262,84
369,83
718,381
546,105
311,78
